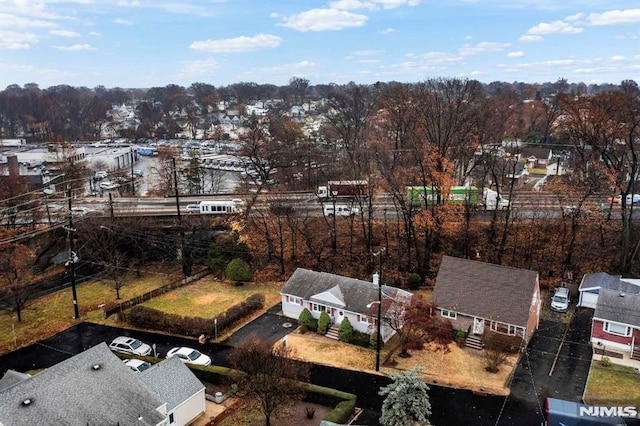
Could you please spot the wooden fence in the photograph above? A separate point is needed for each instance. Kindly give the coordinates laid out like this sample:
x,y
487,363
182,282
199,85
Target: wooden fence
x,y
117,309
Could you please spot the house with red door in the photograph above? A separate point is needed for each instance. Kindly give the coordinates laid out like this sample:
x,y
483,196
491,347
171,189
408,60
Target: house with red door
x,y
480,297
342,298
615,328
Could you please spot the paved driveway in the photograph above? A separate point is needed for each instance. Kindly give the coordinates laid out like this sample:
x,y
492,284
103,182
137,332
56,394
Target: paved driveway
x,y
270,326
543,371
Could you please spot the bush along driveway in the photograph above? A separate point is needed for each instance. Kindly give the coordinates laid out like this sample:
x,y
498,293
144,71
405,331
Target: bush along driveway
x,y
555,364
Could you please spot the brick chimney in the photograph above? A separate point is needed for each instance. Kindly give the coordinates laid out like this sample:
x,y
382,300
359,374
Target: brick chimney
x,y
13,165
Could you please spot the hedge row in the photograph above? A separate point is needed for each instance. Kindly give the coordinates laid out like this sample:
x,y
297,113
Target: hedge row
x,y
343,402
148,318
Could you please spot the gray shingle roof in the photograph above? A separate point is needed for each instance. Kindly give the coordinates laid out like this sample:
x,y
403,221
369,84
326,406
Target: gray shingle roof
x,y
11,377
356,294
611,306
73,392
172,381
485,290
602,280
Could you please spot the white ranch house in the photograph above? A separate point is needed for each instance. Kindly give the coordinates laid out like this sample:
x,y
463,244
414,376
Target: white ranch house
x,y
341,297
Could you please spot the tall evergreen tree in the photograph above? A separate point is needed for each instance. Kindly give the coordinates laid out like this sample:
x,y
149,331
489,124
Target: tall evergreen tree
x,y
407,401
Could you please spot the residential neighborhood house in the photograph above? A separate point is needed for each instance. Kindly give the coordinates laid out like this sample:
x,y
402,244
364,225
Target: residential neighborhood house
x,y
592,284
478,297
615,329
96,387
341,297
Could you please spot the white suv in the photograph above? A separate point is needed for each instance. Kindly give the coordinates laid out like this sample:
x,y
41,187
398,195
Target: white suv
x,y
560,300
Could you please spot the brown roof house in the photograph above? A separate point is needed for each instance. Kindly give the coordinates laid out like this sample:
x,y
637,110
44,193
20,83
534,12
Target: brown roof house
x,y
478,296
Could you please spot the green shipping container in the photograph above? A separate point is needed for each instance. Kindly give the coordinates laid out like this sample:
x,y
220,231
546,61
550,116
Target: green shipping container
x,y
457,195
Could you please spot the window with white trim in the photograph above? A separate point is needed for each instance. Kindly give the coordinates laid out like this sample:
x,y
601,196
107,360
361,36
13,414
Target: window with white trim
x,y
617,329
319,308
365,319
503,328
449,314
294,300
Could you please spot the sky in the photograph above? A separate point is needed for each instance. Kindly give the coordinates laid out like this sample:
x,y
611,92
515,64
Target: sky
x,y
153,43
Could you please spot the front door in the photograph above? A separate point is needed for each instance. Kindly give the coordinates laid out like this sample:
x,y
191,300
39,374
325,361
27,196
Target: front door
x,y
478,326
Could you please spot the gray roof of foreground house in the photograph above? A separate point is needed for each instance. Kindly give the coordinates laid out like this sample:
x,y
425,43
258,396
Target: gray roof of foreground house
x,y
619,307
486,290
10,378
602,280
91,388
172,381
337,291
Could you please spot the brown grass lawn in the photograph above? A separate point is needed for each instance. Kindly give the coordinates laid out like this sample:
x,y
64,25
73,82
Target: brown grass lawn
x,y
53,313
290,416
613,385
461,367
208,297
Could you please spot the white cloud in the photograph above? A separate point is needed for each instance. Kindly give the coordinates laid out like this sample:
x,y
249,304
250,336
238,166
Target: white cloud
x,y
17,40
530,38
432,58
518,54
324,20
352,5
627,36
122,22
392,4
238,44
369,61
618,58
202,68
615,17
75,47
556,27
64,33
20,22
483,47
387,31
575,17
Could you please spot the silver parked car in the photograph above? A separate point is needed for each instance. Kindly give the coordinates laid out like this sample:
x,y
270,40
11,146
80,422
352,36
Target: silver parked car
x,y
129,345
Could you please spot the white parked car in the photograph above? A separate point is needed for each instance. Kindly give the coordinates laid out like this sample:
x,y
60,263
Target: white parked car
x,y
80,211
129,345
137,365
101,174
190,356
109,185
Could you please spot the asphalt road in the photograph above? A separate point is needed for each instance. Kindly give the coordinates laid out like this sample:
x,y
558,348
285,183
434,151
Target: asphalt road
x,y
531,381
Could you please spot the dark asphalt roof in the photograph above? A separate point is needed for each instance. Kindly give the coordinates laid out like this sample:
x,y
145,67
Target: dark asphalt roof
x,y
605,281
76,392
172,381
612,306
486,290
337,291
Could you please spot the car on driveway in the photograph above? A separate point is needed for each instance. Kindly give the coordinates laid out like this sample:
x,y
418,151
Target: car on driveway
x,y
129,345
137,365
190,356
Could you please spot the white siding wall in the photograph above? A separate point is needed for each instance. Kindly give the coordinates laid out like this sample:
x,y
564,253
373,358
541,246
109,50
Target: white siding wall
x,y
190,409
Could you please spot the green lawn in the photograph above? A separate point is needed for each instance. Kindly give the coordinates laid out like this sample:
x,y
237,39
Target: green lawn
x,y
613,385
208,297
53,313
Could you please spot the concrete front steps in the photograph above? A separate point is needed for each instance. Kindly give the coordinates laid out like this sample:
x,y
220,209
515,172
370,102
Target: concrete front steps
x,y
332,333
473,341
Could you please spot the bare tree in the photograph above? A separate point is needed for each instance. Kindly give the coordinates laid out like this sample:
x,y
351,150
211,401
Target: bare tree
x,y
16,272
268,375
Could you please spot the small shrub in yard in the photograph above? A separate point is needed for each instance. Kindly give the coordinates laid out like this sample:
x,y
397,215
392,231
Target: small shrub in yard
x,y
323,323
239,271
345,331
414,281
342,413
360,338
305,318
606,361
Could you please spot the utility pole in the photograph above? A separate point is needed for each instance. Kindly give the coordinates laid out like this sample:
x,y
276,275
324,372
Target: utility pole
x,y
133,180
379,323
72,257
